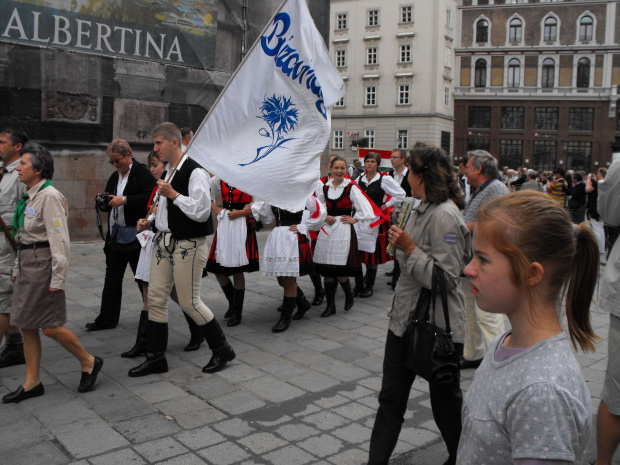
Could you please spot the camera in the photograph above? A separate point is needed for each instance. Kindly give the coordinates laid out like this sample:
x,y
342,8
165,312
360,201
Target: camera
x,y
102,201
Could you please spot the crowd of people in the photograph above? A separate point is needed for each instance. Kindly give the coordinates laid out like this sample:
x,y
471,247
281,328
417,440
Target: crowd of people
x,y
528,403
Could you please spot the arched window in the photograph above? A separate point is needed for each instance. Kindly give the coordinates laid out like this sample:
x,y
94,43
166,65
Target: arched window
x,y
551,29
586,27
480,78
514,73
583,73
548,73
482,31
515,30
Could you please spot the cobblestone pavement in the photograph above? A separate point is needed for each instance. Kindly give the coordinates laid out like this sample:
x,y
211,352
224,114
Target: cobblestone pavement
x,y
305,396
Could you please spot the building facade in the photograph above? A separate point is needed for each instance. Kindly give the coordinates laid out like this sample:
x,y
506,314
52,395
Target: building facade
x,y
76,75
397,61
537,82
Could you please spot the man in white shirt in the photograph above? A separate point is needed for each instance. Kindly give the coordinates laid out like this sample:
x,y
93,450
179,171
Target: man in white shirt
x,y
183,221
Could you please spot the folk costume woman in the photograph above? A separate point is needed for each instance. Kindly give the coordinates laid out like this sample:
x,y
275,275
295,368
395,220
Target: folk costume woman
x,y
288,254
336,254
234,250
40,273
373,241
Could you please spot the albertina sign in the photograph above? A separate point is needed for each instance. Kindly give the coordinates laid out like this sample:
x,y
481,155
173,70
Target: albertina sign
x,y
164,31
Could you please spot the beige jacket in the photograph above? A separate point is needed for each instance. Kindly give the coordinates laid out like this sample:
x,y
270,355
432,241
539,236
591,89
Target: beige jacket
x,y
442,238
45,219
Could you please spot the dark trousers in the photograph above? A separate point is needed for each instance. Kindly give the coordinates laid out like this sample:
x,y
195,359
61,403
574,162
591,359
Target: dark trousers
x,y
446,403
116,263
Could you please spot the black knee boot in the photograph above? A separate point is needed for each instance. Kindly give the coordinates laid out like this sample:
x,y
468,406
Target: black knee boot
x,y
288,305
140,346
370,282
238,296
228,292
348,294
196,335
319,292
222,352
330,295
156,351
302,304
359,282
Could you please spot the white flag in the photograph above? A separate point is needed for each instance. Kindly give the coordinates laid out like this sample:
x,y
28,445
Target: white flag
x,y
265,133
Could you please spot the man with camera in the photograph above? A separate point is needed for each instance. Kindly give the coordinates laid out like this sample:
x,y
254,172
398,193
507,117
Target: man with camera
x,y
125,199
11,141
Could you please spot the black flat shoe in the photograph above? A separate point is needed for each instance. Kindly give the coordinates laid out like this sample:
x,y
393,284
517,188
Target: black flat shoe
x,y
94,326
368,292
19,394
88,379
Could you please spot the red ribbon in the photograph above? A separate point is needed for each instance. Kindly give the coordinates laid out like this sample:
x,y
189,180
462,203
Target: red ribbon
x,y
148,206
376,210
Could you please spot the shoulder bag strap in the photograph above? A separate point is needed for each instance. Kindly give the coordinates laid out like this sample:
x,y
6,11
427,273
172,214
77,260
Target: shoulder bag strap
x,y
441,284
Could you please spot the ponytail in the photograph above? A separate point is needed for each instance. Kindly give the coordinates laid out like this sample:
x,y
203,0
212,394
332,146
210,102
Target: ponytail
x,y
581,285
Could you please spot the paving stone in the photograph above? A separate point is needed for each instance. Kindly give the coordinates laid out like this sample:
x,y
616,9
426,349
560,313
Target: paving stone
x,y
158,392
418,436
322,445
325,420
283,369
235,427
346,354
290,455
356,393
296,431
160,449
256,358
314,382
90,437
57,415
331,402
123,407
214,386
187,459
43,453
224,454
237,403
272,389
240,372
146,428
198,418
354,411
200,438
353,433
120,457
20,434
261,443
341,371
181,405
349,457
320,344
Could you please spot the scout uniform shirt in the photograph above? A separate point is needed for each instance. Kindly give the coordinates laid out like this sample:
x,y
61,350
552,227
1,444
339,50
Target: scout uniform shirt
x,y
45,219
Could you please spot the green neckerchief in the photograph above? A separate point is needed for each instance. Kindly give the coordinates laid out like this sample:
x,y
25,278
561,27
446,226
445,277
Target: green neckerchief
x,y
18,218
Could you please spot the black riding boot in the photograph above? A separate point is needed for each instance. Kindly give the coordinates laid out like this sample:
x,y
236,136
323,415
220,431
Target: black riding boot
x,y
330,295
156,351
196,335
319,292
238,296
13,354
228,292
288,305
140,346
302,304
371,275
359,282
216,339
348,294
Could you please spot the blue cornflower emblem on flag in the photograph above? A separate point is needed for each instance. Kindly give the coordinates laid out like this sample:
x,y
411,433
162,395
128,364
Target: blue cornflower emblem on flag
x,y
281,116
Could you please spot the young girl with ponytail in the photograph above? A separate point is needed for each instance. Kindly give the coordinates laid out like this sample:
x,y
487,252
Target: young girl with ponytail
x,y
528,403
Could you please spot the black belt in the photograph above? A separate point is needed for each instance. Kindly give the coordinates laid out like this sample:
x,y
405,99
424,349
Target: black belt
x,y
287,222
235,206
36,245
340,212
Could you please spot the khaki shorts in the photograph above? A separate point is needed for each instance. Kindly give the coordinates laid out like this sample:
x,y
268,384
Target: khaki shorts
x,y
611,388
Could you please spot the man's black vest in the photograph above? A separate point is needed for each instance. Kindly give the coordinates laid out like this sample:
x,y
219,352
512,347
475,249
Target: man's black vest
x,y
180,225
404,183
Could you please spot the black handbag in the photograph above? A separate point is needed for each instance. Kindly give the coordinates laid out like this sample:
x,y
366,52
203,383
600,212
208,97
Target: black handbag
x,y
427,349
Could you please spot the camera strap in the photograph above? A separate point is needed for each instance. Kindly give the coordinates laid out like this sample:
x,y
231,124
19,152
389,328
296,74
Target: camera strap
x,y
99,220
